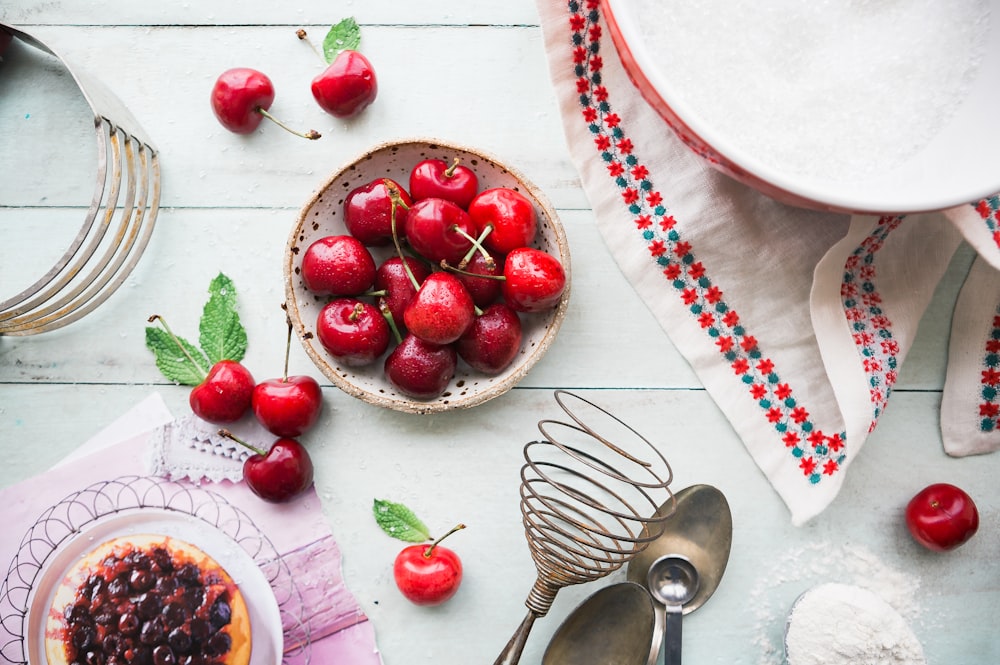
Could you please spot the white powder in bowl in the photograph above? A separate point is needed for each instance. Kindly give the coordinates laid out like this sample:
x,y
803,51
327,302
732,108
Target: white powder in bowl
x,y
834,89
842,624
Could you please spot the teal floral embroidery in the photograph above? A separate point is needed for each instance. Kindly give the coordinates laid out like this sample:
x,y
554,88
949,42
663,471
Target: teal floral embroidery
x,y
819,454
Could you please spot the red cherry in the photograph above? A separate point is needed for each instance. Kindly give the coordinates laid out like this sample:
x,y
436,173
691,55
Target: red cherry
x,y
493,340
278,474
942,517
352,331
439,230
338,265
427,574
368,212
485,289
225,394
241,97
288,406
392,278
347,86
534,280
441,310
434,178
420,369
511,215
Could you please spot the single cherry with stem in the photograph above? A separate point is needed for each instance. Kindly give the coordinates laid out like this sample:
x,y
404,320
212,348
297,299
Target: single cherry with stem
x,y
278,474
368,211
338,265
428,574
352,331
347,86
509,214
532,281
241,98
291,405
435,178
225,392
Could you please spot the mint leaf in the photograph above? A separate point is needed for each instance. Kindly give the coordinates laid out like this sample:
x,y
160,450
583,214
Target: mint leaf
x,y
343,36
188,370
222,336
399,522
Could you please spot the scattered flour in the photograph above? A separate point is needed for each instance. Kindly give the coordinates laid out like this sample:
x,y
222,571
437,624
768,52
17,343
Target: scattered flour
x,y
802,568
841,624
829,88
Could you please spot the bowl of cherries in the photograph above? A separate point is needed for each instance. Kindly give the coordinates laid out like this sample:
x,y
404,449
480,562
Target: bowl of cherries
x,y
425,276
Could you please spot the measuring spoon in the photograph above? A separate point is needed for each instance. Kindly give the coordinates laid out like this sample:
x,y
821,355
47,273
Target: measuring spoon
x,y
673,581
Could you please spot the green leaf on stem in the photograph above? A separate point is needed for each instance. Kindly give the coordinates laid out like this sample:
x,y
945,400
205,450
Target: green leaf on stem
x,y
343,36
187,369
222,336
399,522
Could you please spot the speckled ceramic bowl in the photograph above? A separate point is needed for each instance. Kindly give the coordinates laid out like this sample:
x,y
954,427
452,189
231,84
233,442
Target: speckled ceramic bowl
x,y
322,215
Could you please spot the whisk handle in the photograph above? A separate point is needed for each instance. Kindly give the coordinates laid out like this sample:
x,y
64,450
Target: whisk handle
x,y
511,653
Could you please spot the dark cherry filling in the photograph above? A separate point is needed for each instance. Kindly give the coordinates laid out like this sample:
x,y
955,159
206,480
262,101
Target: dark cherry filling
x,y
146,608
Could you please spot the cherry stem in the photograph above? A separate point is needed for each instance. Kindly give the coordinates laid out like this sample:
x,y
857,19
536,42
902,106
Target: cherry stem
x,y
288,342
301,34
391,320
477,245
356,312
229,435
447,266
312,134
450,171
430,548
396,202
156,318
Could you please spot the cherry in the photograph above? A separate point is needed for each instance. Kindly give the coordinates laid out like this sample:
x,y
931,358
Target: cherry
x,y
428,574
534,280
347,86
338,265
441,310
224,394
480,278
352,331
510,216
493,340
420,369
241,97
439,230
392,279
278,474
368,212
434,178
288,406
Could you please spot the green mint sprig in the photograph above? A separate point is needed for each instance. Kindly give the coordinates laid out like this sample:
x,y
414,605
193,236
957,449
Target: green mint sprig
x,y
343,36
399,522
221,337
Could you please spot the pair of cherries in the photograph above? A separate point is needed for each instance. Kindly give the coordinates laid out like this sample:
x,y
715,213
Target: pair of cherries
x,y
459,292
242,97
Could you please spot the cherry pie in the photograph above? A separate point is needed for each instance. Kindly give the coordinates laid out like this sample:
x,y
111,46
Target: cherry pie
x,y
148,600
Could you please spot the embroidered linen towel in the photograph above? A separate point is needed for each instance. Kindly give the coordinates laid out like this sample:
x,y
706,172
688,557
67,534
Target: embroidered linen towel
x,y
795,321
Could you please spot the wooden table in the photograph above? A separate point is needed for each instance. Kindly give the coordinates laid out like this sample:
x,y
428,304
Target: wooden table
x,y
472,73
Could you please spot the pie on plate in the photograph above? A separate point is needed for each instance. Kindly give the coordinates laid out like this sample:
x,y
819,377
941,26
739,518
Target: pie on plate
x,y
147,600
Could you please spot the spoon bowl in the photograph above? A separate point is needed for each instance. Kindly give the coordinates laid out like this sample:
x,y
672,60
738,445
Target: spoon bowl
x,y
701,531
672,581
616,625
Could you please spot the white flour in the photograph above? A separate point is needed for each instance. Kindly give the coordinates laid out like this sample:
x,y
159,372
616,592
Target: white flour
x,y
835,89
801,568
841,624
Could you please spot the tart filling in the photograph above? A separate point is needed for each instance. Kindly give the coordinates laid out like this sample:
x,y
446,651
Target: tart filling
x,y
147,600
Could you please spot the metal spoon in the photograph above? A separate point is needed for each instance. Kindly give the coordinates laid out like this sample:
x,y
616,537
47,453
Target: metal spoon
x,y
673,581
614,626
701,530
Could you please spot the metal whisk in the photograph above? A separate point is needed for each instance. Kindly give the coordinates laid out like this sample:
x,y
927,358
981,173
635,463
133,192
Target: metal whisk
x,y
588,504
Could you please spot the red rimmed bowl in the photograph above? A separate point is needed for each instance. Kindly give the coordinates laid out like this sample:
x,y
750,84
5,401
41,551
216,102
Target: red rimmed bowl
x,y
826,111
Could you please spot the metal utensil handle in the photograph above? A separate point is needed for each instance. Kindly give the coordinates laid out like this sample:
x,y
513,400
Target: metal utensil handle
x,y
672,634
